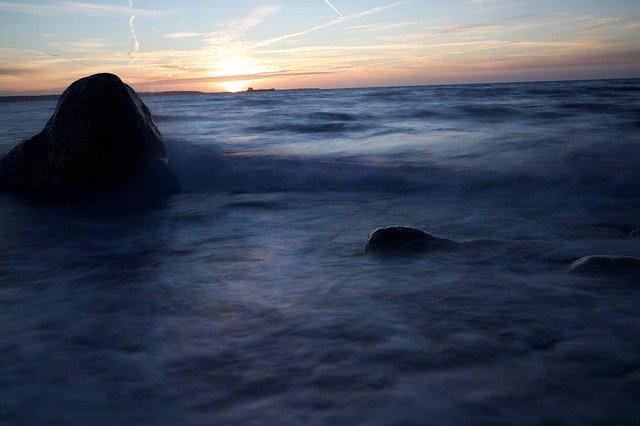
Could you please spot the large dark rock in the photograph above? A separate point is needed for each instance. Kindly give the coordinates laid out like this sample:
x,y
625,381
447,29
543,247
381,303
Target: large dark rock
x,y
606,264
101,137
402,239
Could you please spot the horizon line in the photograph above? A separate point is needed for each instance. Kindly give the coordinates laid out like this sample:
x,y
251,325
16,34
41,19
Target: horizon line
x,y
145,92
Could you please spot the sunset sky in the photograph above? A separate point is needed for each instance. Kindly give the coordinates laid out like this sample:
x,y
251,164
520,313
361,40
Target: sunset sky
x,y
228,45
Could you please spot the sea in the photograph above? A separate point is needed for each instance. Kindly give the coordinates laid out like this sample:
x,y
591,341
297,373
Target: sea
x,y
248,299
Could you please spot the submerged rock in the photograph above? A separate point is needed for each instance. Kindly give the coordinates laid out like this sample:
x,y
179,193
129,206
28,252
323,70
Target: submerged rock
x,y
634,234
404,239
606,264
101,136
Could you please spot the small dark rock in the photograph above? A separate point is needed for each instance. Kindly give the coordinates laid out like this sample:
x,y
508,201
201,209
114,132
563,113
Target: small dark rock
x,y
404,239
606,264
100,137
634,234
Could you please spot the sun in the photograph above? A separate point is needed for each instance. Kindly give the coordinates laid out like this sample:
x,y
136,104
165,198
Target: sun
x,y
235,68
235,86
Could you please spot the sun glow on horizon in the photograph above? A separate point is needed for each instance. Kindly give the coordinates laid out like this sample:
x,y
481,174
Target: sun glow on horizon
x,y
235,85
235,67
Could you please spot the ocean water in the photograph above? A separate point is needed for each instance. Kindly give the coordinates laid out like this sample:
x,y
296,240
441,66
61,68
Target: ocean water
x,y
248,299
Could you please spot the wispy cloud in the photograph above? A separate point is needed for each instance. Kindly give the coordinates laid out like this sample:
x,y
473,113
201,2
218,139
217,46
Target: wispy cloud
x,y
467,29
329,24
17,71
98,9
234,30
35,61
32,9
82,45
132,29
136,44
382,26
65,57
81,8
182,35
213,79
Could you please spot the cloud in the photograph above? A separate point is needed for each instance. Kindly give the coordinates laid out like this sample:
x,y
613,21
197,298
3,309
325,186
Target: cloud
x,y
381,26
35,60
574,62
32,9
14,71
136,44
81,8
233,30
213,79
97,9
329,24
182,35
82,45
467,29
65,57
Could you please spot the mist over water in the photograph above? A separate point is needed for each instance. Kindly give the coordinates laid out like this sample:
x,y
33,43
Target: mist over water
x,y
249,298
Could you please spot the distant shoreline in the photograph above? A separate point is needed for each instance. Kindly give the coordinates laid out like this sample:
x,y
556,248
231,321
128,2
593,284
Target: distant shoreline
x,y
21,98
27,98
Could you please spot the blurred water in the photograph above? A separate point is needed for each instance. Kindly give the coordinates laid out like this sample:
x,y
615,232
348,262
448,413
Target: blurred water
x,y
249,299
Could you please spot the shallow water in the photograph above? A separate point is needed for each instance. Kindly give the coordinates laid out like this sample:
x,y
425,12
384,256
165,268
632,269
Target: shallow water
x,y
249,299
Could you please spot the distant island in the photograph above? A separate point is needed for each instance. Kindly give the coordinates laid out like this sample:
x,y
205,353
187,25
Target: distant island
x,y
251,89
55,97
175,92
26,98
20,98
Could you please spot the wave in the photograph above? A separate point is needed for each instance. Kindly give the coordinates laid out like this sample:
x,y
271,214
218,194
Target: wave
x,y
317,122
600,90
405,139
599,108
597,168
543,91
488,111
307,128
550,115
422,113
332,116
588,107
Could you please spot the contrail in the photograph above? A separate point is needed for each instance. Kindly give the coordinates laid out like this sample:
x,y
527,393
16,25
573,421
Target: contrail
x,y
50,54
334,8
64,57
136,44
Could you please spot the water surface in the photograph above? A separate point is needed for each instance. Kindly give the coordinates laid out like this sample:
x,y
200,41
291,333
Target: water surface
x,y
249,299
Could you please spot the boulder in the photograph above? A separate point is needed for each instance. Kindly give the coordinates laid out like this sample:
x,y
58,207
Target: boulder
x,y
404,239
100,137
606,264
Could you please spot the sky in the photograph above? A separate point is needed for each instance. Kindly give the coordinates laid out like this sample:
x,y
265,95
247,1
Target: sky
x,y
230,45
